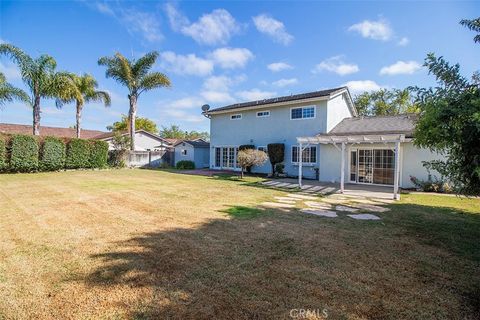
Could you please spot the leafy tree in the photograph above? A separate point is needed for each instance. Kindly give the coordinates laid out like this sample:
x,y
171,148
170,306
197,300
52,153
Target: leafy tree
x,y
87,86
140,124
137,77
41,78
276,154
174,132
449,123
8,93
249,158
473,25
385,102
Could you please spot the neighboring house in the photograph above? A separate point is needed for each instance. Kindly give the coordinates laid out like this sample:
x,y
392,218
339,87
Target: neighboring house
x,y
8,128
322,124
197,151
144,141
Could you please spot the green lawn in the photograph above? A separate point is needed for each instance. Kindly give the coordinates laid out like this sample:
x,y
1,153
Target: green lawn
x,y
139,244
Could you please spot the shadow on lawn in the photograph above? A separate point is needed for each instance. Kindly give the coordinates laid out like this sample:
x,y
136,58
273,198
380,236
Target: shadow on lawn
x,y
260,264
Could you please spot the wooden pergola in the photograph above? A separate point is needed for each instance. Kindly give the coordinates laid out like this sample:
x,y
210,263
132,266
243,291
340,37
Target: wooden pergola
x,y
341,141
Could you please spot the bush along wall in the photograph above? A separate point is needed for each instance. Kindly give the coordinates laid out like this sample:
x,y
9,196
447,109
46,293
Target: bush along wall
x,y
24,153
185,165
98,154
3,155
78,154
52,154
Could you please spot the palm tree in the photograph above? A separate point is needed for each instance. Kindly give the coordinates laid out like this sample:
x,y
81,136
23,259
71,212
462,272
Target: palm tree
x,y
8,93
41,78
135,75
87,86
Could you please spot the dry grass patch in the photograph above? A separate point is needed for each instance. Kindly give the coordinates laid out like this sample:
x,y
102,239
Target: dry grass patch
x,y
152,244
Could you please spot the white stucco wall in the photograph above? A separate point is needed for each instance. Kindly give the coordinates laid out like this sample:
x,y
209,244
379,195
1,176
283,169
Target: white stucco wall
x,y
178,152
143,142
337,110
412,158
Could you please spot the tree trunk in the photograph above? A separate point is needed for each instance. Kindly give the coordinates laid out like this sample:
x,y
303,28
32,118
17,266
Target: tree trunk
x,y
36,116
132,113
79,119
273,169
241,173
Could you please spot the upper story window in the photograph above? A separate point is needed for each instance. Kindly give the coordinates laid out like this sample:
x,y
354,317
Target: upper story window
x,y
302,112
236,116
309,154
261,114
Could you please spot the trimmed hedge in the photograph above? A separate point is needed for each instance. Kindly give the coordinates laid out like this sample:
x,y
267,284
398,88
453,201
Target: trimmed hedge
x,y
52,155
276,154
3,155
98,154
185,165
78,154
24,153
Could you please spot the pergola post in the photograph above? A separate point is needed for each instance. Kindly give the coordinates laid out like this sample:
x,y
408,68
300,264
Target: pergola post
x,y
396,194
342,173
300,153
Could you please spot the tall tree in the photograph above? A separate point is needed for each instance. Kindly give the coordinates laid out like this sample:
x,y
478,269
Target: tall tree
x,y
140,124
42,79
87,86
136,76
385,102
174,132
8,93
473,25
449,123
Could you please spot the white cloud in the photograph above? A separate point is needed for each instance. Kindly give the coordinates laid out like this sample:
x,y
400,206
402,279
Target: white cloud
x,y
279,66
401,67
403,42
222,83
377,30
186,103
213,96
336,65
255,94
359,86
182,115
273,28
285,82
10,71
230,58
134,20
188,64
213,28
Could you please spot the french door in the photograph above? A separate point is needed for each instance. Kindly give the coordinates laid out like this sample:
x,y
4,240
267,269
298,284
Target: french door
x,y
372,166
226,157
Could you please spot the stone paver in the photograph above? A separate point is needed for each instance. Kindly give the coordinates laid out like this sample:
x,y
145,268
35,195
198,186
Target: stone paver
x,y
371,207
345,208
277,205
322,213
320,205
364,201
301,196
364,216
332,200
286,199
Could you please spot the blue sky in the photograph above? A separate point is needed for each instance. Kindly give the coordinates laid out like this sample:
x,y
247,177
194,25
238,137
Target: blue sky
x,y
225,52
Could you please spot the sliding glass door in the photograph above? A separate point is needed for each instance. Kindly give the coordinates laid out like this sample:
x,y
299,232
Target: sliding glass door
x,y
372,166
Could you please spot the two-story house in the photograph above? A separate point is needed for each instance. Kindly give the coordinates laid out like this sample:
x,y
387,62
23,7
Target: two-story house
x,y
325,126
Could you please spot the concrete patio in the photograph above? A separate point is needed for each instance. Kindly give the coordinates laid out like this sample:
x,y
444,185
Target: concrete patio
x,y
325,188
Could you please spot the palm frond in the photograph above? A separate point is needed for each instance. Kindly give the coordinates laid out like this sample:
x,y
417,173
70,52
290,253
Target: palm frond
x,y
62,87
154,80
119,69
19,57
9,93
142,66
99,96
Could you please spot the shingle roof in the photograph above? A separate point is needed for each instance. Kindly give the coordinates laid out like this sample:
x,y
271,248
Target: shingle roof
x,y
404,124
195,143
254,104
9,128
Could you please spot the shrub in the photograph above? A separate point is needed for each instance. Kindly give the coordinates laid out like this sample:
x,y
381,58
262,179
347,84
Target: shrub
x,y
436,185
185,165
98,154
117,158
78,154
280,168
250,158
3,155
24,153
276,154
52,154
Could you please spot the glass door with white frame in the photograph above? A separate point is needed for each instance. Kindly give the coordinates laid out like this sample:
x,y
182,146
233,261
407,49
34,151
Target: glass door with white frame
x,y
365,166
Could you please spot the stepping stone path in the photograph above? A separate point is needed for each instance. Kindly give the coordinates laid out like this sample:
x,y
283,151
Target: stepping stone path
x,y
345,208
286,199
364,201
370,207
364,216
301,196
278,205
333,201
322,213
319,205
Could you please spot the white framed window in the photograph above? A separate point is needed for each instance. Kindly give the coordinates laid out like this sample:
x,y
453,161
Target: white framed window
x,y
262,114
307,112
236,116
184,152
309,154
